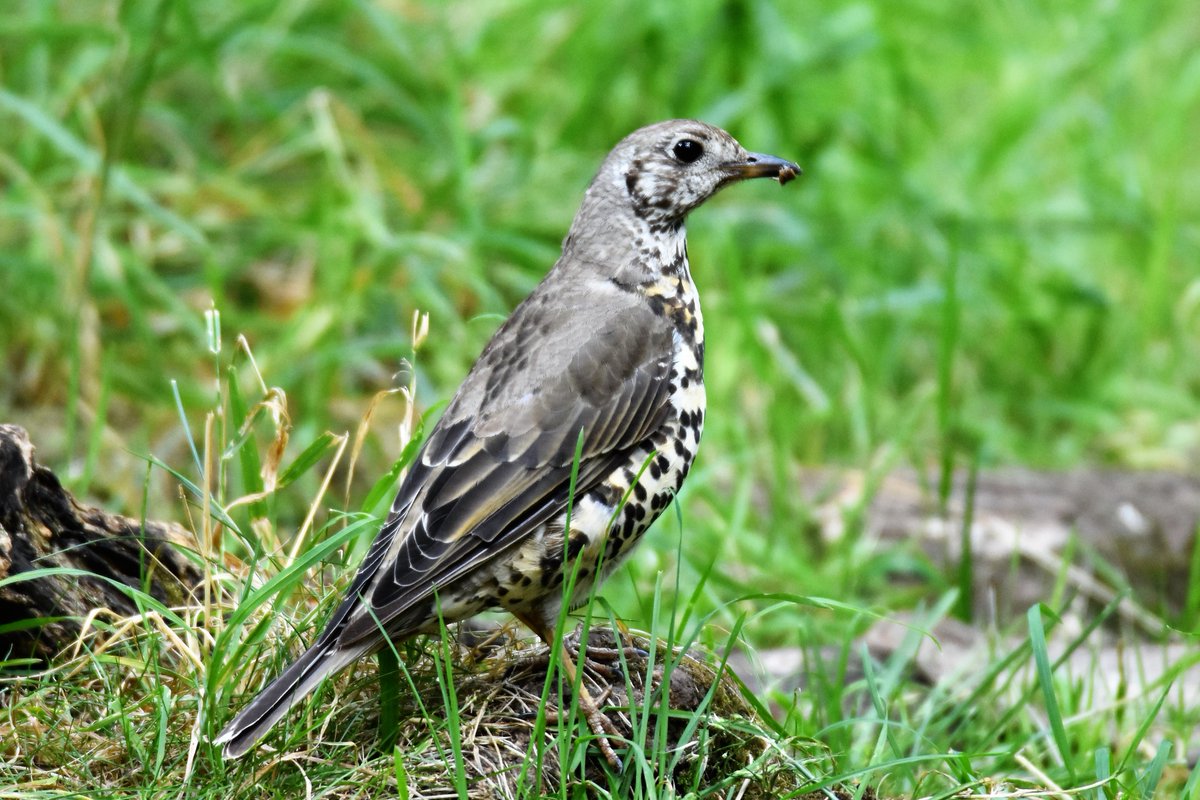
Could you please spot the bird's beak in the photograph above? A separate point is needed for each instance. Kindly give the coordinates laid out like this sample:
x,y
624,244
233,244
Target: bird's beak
x,y
759,165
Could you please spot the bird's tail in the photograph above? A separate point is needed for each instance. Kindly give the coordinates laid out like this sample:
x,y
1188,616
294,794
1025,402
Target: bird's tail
x,y
292,686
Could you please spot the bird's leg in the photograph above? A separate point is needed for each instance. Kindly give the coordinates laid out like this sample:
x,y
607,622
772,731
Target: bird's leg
x,y
601,725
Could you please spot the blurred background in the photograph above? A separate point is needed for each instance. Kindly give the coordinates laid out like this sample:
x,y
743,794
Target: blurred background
x,y
989,261
990,257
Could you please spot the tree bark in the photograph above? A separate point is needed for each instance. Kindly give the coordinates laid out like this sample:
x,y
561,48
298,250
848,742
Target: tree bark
x,y
43,526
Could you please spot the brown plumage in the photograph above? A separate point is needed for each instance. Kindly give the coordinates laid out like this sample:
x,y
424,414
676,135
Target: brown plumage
x,y
610,344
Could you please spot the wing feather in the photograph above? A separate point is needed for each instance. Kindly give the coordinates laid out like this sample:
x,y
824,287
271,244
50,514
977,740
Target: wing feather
x,y
498,464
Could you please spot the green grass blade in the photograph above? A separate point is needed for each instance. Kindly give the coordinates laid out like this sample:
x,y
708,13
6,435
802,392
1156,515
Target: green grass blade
x,y
1191,789
1143,728
307,459
1102,760
1045,676
1148,783
389,699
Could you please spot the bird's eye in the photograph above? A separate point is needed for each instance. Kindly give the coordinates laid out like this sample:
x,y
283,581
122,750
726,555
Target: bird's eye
x,y
687,150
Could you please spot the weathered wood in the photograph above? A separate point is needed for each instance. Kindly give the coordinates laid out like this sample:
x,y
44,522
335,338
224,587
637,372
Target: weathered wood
x,y
42,526
1142,525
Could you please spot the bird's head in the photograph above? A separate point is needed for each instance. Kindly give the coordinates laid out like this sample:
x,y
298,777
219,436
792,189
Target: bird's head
x,y
667,169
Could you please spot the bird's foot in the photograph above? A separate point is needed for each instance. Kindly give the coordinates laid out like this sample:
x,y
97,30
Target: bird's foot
x,y
603,660
597,664
600,725
556,716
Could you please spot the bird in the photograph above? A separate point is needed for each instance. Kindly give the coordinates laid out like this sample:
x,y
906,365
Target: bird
x,y
586,406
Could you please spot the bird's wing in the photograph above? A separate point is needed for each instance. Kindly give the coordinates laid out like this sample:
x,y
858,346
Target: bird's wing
x,y
498,464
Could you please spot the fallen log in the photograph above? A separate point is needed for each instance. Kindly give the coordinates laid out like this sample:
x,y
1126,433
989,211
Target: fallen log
x,y
42,527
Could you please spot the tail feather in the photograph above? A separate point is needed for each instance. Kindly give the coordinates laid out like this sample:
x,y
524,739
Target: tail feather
x,y
292,686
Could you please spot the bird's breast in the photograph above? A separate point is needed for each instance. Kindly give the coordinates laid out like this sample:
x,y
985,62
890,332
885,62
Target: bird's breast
x,y
609,520
672,295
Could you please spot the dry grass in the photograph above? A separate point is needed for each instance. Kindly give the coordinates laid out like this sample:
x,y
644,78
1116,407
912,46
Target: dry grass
x,y
511,739
510,734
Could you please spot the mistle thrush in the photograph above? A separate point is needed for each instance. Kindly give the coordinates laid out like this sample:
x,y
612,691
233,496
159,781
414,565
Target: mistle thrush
x,y
607,355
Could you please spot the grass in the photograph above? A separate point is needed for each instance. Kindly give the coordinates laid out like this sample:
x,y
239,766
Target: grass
x,y
990,260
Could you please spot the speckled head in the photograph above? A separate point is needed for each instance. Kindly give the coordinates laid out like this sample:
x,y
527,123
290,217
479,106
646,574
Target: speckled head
x,y
669,168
